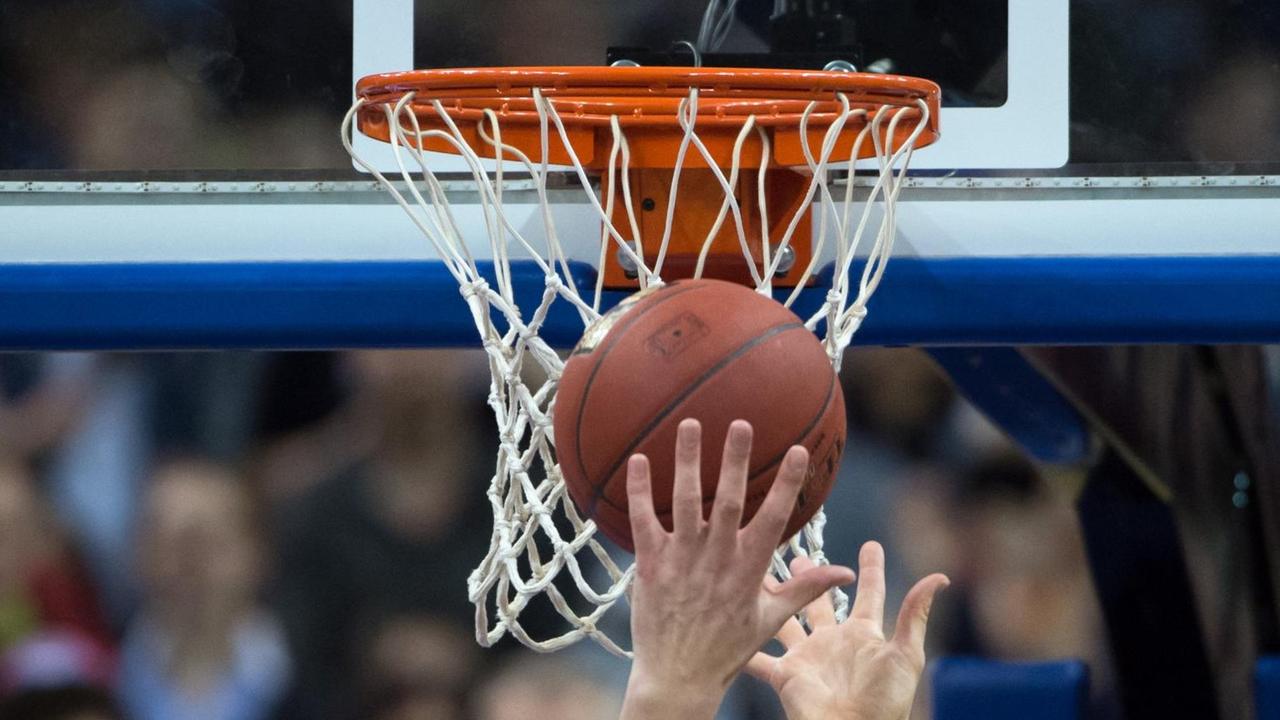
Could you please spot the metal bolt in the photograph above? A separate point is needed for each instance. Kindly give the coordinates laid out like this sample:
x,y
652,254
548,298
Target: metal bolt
x,y
627,264
624,63
840,66
786,260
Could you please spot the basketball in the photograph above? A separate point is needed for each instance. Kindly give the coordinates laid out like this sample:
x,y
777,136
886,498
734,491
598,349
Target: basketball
x,y
703,349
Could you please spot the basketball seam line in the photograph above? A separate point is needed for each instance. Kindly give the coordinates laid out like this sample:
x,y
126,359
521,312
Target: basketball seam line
x,y
777,459
598,491
611,339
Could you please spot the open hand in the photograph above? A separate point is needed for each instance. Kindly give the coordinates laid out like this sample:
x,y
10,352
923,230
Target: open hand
x,y
850,670
699,610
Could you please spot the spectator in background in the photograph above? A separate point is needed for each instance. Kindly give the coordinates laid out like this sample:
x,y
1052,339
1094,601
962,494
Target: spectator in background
x,y
1022,560
41,398
396,531
43,589
546,687
201,647
56,661
95,463
91,424
1008,534
417,667
306,429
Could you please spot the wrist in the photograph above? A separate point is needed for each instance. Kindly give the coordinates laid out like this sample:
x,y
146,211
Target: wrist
x,y
813,711
652,696
834,712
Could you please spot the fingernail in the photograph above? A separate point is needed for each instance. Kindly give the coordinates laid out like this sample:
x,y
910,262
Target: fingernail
x,y
687,434
798,457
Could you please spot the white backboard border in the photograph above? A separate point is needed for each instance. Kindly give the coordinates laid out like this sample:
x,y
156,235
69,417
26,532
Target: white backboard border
x,y
1029,131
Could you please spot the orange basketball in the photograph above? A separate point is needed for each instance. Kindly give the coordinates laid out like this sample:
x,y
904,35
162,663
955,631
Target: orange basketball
x,y
703,349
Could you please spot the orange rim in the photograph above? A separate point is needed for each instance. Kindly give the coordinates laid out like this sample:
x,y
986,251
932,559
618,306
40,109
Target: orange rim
x,y
646,101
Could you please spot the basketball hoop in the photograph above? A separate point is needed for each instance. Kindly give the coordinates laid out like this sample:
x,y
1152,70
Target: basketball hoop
x,y
703,172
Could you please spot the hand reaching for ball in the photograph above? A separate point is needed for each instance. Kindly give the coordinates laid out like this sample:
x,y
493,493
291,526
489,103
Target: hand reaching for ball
x,y
699,611
849,669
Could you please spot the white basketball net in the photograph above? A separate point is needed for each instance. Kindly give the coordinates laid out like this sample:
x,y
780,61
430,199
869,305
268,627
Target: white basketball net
x,y
538,533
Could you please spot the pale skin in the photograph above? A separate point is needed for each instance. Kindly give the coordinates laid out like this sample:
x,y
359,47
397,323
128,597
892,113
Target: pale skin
x,y
850,669
698,609
700,612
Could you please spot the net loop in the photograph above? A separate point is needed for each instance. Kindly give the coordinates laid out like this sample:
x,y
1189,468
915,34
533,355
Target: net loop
x,y
541,547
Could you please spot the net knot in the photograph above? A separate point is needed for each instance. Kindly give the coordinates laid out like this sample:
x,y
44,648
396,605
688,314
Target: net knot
x,y
471,288
554,282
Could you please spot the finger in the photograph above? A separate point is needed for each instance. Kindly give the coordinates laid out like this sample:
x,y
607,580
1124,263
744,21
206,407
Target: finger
x,y
821,612
686,498
788,598
869,603
765,531
791,633
908,635
644,522
763,667
731,491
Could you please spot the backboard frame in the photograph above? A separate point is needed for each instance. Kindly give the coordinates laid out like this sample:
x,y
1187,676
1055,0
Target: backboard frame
x,y
1010,252
296,264
1030,130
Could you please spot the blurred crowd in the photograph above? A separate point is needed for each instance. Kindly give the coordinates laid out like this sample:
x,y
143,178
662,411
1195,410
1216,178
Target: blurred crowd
x,y
246,85
254,536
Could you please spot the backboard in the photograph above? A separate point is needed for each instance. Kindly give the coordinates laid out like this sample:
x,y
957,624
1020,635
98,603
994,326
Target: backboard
x,y
1108,171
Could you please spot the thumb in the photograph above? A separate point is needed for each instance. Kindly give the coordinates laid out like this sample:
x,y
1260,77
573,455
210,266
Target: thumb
x,y
785,600
914,616
763,667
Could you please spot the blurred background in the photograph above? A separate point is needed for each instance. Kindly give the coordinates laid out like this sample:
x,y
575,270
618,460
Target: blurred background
x,y
254,536
239,85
